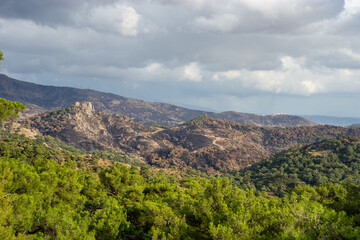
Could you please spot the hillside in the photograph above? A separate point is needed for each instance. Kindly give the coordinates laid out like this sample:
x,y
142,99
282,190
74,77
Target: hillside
x,y
39,98
205,143
329,161
83,127
45,193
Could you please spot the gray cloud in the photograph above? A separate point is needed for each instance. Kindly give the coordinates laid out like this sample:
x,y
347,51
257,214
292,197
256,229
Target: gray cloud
x,y
244,55
53,13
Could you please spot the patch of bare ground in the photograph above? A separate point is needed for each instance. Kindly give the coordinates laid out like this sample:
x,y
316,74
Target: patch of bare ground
x,y
27,132
105,162
324,153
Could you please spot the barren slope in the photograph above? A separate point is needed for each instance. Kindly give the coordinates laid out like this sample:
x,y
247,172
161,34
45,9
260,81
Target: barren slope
x,y
205,143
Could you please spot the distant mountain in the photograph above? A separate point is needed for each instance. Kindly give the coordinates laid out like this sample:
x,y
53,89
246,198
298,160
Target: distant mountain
x,y
39,98
204,143
336,121
274,120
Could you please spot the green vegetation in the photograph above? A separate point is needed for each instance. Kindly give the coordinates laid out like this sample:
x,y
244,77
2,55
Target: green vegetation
x,y
55,143
46,194
198,120
60,112
1,56
9,110
329,161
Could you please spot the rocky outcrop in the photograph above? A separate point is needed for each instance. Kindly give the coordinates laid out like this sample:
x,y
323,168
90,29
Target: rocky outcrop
x,y
80,125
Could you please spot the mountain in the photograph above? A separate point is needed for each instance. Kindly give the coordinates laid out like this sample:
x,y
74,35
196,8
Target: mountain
x,y
274,120
39,98
204,143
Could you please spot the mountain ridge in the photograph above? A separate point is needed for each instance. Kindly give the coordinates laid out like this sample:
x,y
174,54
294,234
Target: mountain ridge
x,y
39,98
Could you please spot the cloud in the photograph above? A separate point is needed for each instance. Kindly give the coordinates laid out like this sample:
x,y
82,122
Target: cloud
x,y
191,3
112,16
221,23
350,53
221,54
292,64
293,78
115,18
51,13
352,7
231,74
256,15
346,22
192,72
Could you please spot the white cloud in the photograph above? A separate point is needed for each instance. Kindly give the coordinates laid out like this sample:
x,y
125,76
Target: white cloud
x,y
311,87
192,72
352,6
153,67
118,18
291,64
231,74
292,78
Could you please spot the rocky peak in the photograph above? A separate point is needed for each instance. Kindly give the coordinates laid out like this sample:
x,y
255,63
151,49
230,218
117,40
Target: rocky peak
x,y
87,107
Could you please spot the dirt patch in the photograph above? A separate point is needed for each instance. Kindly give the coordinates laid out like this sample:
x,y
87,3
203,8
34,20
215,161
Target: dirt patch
x,y
105,162
320,153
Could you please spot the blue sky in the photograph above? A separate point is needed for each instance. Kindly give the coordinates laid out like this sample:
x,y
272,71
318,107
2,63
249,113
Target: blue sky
x,y
260,56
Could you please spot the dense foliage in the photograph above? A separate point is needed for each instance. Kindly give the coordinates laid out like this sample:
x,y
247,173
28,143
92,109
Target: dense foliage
x,y
329,161
9,110
45,195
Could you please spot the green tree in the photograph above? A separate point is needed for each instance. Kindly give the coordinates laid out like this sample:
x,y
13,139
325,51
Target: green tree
x,y
9,110
1,56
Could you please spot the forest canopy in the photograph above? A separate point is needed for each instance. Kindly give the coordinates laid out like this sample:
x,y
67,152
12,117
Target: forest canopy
x,y
330,161
46,194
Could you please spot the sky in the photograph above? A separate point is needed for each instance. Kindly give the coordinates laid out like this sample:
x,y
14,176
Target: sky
x,y
298,57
